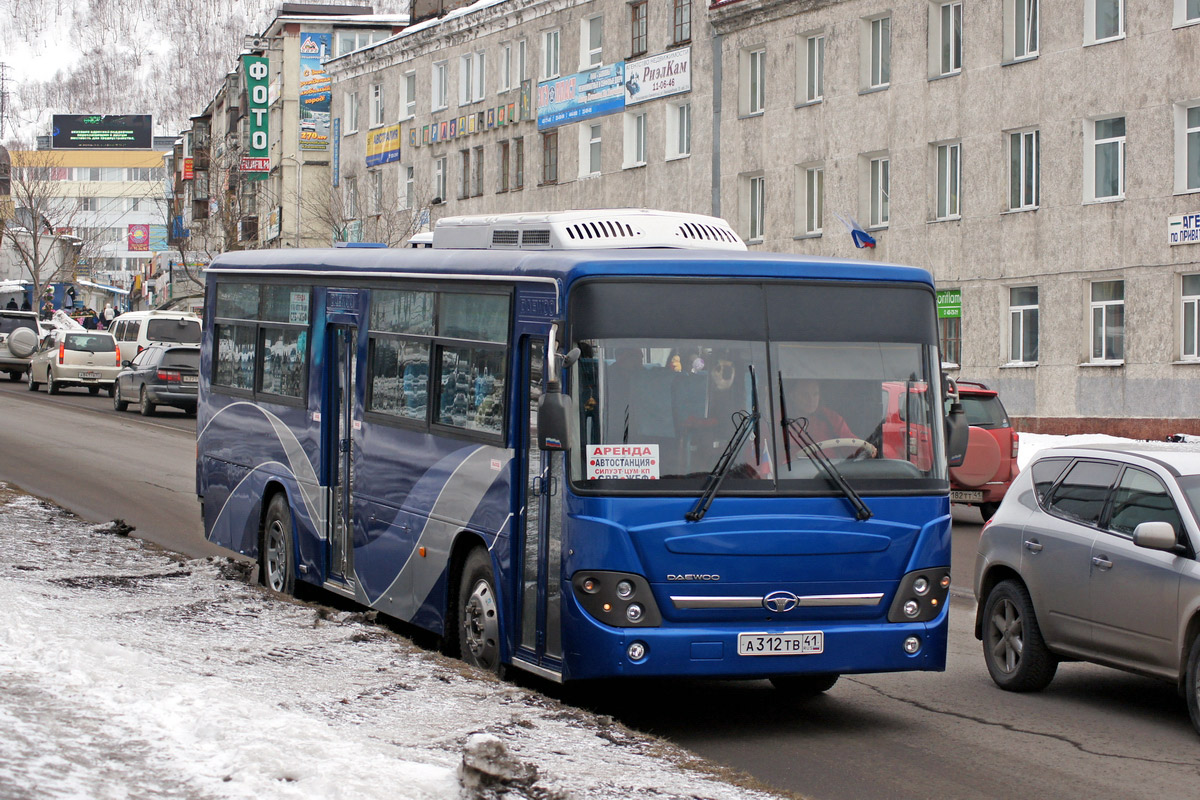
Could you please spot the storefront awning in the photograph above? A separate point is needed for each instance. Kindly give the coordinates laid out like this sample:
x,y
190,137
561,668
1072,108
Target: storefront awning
x,y
113,289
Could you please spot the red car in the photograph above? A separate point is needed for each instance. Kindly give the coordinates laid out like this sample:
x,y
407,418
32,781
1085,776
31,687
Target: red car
x,y
991,461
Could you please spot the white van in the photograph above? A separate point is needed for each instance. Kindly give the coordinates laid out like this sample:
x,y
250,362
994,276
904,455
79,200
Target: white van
x,y
135,330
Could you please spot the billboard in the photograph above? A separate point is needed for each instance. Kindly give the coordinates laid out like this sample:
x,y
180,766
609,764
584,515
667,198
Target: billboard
x,y
584,95
658,76
100,131
256,162
315,91
383,145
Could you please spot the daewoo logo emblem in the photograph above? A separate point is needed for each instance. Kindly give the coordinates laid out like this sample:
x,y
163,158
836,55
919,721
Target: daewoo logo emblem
x,y
780,602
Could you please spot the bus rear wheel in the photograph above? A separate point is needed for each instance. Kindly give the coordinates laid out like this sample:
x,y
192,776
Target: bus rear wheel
x,y
804,685
277,568
478,614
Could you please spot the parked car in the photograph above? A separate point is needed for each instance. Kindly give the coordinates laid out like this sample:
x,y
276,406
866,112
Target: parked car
x,y
160,375
1094,557
65,358
991,461
137,330
20,332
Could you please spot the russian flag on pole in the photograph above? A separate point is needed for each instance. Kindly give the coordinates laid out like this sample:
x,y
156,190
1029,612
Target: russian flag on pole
x,y
861,237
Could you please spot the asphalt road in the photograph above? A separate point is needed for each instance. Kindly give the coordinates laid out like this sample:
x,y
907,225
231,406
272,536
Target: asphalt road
x,y
1094,733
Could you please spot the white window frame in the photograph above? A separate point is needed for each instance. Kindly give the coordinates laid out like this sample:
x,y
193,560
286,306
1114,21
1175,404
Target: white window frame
x,y
1092,152
591,53
551,52
1022,316
752,65
810,199
679,129
945,38
754,206
439,179
506,56
1022,29
1024,169
1187,147
1186,12
503,166
1100,311
438,88
1189,318
480,76
877,52
377,105
466,79
879,190
635,140
350,106
464,173
376,191
948,202
590,140
477,171
810,67
408,95
407,196
351,197
1091,19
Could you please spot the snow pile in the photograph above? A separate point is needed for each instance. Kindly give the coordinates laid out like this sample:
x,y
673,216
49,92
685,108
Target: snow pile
x,y
127,673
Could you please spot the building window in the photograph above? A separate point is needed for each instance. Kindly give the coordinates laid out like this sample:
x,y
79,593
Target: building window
x,y
949,180
637,28
1187,147
471,78
376,192
1020,29
679,130
89,204
810,189
439,180
351,111
811,56
464,175
635,140
477,173
550,41
879,53
1024,166
756,207
1108,321
351,198
504,161
1023,324
589,149
682,19
1107,162
950,339
1103,20
945,38
550,157
410,179
376,104
506,66
518,163
753,63
591,42
1191,317
409,100
881,190
438,88
1187,12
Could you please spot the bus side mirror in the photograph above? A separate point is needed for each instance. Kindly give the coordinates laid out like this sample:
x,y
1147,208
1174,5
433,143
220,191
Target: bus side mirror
x,y
957,433
555,412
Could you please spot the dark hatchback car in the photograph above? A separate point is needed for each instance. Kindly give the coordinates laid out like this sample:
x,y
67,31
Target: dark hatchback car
x,y
160,375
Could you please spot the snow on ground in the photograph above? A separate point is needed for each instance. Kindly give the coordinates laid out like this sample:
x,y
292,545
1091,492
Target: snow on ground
x,y
128,673
1032,443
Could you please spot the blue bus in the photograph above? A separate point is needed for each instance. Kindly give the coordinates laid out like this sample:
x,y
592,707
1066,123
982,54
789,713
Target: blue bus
x,y
586,445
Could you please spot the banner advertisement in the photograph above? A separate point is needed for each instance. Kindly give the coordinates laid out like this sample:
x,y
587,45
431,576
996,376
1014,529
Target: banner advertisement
x,y
158,238
658,76
99,131
316,91
274,223
256,162
139,238
337,151
584,95
189,172
383,145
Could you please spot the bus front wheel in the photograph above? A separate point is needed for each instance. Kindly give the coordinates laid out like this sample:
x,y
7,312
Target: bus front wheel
x,y
804,685
478,614
277,569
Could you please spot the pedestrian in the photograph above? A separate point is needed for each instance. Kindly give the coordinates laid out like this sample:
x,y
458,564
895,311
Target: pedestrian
x,y
25,304
108,315
12,304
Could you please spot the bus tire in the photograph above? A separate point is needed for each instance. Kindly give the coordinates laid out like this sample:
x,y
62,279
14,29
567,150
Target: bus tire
x,y
804,685
478,613
276,557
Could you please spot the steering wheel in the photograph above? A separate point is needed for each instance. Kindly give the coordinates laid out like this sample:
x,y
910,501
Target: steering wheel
x,y
859,446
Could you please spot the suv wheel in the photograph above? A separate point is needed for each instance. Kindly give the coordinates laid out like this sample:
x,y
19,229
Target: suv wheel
x,y
1016,656
1192,687
14,376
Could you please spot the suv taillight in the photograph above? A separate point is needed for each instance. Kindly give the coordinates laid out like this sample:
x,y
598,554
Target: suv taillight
x,y
62,351
1016,442
118,352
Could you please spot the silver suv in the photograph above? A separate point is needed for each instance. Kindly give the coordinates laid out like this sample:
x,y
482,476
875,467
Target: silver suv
x,y
1093,556
20,332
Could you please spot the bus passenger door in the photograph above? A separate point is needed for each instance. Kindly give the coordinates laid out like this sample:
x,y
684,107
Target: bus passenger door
x,y
343,350
541,548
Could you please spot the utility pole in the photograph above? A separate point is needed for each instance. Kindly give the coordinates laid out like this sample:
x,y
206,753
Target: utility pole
x,y
3,97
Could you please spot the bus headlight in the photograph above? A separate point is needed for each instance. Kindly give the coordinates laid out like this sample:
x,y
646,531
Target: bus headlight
x,y
636,651
921,595
608,596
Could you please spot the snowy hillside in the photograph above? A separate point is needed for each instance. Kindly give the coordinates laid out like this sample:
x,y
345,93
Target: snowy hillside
x,y
159,57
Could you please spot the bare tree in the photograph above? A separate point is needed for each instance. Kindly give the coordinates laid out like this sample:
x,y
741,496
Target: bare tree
x,y
356,211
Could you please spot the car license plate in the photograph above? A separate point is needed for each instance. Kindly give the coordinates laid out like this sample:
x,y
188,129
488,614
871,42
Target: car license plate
x,y
791,643
189,380
959,496
89,376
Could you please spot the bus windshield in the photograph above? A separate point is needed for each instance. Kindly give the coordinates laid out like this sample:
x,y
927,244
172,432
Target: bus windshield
x,y
664,408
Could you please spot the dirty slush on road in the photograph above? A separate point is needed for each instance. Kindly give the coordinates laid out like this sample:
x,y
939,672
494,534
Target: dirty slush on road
x,y
128,672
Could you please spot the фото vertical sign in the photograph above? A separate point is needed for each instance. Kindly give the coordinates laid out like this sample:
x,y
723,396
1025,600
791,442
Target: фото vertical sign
x,y
316,91
256,161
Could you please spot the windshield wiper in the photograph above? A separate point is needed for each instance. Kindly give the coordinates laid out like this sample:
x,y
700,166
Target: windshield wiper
x,y
798,428
747,425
